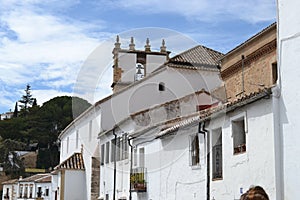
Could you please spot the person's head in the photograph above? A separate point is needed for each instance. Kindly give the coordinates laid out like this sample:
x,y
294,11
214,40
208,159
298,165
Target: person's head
x,y
255,193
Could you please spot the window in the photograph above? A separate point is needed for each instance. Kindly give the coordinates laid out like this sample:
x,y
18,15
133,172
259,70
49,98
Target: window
x,y
107,153
135,157
77,138
113,150
90,130
125,146
20,191
118,149
30,191
47,192
194,150
7,193
102,155
239,135
39,192
217,169
25,191
142,157
161,86
274,73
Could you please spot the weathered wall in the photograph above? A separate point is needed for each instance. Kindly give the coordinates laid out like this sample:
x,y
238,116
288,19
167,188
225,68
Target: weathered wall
x,y
259,55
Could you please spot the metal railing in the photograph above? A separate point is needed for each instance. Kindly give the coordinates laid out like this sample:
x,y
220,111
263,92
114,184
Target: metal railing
x,y
138,179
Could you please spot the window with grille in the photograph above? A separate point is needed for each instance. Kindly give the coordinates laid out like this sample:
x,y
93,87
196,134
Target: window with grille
x,y
194,150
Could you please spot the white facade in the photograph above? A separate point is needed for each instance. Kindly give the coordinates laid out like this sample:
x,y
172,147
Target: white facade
x,y
255,165
80,136
136,97
10,190
38,185
287,133
7,115
156,158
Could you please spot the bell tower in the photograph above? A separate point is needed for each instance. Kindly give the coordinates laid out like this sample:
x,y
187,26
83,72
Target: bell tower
x,y
131,65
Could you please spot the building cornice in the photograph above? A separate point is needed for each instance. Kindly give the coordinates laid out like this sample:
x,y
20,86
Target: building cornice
x,y
266,49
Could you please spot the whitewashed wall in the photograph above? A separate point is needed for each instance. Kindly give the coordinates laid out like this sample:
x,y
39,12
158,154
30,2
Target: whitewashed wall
x,y
256,166
78,137
12,191
288,44
178,83
74,184
44,186
169,174
153,62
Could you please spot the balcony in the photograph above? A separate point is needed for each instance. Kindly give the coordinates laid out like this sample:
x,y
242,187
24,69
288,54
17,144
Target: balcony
x,y
137,180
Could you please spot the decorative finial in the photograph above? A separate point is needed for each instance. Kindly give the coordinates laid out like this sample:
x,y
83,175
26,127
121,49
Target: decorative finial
x,y
117,46
131,45
147,46
163,48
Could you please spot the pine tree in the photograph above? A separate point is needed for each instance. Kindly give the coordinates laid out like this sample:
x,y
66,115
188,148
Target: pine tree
x,y
34,102
26,99
16,110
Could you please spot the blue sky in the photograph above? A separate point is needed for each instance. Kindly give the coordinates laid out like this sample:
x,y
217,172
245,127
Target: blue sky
x,y
46,43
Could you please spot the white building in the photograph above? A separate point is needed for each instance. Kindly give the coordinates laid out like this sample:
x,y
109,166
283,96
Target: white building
x,y
7,115
177,89
31,188
130,96
10,189
288,99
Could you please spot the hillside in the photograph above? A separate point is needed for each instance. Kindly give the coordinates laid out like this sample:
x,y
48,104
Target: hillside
x,y
37,129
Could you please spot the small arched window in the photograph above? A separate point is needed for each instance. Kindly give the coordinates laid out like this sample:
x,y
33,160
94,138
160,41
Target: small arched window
x,y
161,86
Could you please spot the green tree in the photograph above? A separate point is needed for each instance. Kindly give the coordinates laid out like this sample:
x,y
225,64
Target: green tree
x,y
16,110
26,99
42,125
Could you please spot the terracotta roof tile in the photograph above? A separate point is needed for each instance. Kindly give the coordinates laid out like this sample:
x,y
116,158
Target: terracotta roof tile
x,y
198,55
12,181
208,113
35,178
74,162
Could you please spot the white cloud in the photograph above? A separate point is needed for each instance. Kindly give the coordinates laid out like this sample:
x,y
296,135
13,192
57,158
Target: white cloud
x,y
203,10
39,47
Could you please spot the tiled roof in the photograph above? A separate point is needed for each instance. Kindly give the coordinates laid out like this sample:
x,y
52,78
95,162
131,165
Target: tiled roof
x,y
75,162
208,113
12,181
45,179
198,55
35,178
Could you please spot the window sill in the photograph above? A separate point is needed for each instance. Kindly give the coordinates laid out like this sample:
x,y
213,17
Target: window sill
x,y
239,153
217,179
195,167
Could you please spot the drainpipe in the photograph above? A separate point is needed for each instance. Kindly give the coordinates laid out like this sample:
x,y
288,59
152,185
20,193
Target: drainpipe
x,y
203,131
243,86
115,163
131,158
